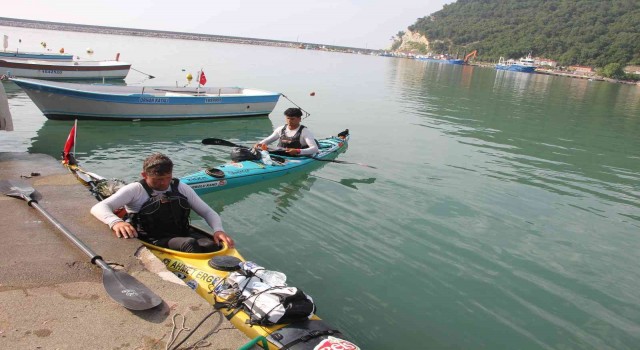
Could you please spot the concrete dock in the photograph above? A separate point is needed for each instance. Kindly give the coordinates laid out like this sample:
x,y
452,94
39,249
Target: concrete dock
x,y
52,297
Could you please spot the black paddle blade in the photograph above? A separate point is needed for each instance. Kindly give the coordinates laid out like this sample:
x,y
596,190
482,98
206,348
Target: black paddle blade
x,y
128,291
18,189
220,142
123,288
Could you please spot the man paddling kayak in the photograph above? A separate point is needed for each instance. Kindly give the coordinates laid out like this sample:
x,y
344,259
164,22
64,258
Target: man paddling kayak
x,y
158,208
295,139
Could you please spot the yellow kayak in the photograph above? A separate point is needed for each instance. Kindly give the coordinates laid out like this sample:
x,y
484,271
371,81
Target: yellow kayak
x,y
204,273
197,272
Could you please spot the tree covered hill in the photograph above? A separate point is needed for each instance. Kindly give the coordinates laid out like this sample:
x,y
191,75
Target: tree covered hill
x,y
585,32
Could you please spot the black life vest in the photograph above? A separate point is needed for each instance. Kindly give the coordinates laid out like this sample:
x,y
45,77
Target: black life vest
x,y
293,141
165,215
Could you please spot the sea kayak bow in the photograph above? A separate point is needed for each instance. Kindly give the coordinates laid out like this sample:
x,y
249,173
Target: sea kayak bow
x,y
235,174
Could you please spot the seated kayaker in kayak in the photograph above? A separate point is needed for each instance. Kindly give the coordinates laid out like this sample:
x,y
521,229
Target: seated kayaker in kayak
x,y
158,208
295,139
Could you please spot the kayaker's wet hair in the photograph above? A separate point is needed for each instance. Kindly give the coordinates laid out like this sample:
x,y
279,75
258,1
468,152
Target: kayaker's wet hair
x,y
293,112
157,164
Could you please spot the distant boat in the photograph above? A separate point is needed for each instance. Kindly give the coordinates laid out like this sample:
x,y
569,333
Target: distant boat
x,y
525,64
58,100
64,70
440,59
41,56
44,56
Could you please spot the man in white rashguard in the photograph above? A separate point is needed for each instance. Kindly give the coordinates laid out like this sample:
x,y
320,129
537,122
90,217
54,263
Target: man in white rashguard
x,y
158,208
294,138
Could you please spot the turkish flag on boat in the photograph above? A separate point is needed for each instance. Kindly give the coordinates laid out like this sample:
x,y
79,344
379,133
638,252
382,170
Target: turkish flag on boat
x,y
67,146
203,78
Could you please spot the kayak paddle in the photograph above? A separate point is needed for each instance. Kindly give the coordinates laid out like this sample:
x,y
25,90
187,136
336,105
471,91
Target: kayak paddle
x,y
121,286
221,142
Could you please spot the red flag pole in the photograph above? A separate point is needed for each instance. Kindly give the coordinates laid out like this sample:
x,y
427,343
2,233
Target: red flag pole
x,y
75,136
71,139
199,78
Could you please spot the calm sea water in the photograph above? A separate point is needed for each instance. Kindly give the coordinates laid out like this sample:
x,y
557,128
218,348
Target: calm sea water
x,y
504,212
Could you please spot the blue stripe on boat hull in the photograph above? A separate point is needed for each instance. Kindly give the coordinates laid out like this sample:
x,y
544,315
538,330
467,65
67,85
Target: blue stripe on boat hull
x,y
67,103
36,56
146,117
514,68
141,97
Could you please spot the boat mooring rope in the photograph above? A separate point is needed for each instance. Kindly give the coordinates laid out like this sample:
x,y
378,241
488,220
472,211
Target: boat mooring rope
x,y
307,114
173,337
149,75
201,342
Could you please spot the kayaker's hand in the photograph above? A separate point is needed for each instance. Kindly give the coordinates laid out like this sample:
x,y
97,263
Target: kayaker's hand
x,y
293,151
124,230
220,236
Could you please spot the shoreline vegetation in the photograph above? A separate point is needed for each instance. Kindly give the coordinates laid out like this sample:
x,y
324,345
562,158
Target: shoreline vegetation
x,y
583,33
24,23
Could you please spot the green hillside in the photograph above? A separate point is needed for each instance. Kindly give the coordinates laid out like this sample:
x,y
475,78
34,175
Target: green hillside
x,y
586,32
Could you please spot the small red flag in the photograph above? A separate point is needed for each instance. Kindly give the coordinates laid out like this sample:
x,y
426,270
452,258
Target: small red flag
x,y
67,146
203,79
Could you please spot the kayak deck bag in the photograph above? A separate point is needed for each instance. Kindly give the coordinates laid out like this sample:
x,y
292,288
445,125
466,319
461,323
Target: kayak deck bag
x,y
267,301
239,154
279,305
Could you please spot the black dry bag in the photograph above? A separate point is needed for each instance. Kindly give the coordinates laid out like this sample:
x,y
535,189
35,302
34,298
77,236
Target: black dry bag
x,y
240,154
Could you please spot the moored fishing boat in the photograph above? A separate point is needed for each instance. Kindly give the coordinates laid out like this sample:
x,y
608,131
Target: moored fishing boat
x,y
524,65
40,56
242,291
442,59
245,172
59,100
64,70
26,55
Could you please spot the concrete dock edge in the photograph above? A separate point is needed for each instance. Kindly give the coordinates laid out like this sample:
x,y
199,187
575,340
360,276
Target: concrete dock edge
x,y
52,297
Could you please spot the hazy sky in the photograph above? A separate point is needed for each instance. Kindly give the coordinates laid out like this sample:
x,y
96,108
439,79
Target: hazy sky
x,y
357,23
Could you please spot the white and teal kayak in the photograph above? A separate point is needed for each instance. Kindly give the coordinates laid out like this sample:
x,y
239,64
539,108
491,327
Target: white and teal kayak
x,y
235,174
